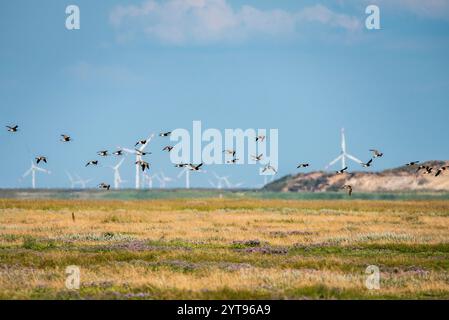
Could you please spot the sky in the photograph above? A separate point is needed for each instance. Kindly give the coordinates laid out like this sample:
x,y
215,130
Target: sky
x,y
306,68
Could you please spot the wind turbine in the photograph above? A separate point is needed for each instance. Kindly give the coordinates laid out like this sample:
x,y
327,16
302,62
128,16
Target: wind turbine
x,y
138,158
83,182
72,181
343,154
163,180
220,181
32,171
148,180
117,178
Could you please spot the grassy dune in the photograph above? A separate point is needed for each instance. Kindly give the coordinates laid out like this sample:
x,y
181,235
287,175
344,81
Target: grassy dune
x,y
223,249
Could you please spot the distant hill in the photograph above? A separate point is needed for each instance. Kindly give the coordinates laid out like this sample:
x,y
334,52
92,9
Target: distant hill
x,y
392,180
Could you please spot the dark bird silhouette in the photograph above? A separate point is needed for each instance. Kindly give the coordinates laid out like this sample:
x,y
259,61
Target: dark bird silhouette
x,y
440,171
230,152
103,153
13,128
260,138
141,142
144,165
65,138
302,165
348,188
195,167
376,153
368,164
168,148
181,165
233,161
118,153
342,170
165,134
93,163
41,158
258,158
141,153
411,164
104,186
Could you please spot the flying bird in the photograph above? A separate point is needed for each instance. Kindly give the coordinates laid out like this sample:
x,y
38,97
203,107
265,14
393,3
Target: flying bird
x,y
104,186
411,164
168,148
269,167
302,165
181,165
93,163
258,158
376,153
118,153
195,168
231,152
368,164
13,128
440,171
349,188
165,134
342,170
233,161
141,153
141,142
65,138
144,165
41,158
103,153
260,138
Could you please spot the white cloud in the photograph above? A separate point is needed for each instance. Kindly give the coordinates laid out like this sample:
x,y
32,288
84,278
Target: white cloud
x,y
204,21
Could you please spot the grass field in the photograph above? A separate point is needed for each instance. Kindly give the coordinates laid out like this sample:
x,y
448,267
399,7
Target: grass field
x,y
224,248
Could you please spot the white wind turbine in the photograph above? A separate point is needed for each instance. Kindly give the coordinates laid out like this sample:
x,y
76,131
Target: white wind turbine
x,y
148,180
163,180
32,171
343,154
83,182
221,180
138,158
117,178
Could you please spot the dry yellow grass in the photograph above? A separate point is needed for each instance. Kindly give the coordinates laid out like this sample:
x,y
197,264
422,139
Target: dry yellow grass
x,y
212,248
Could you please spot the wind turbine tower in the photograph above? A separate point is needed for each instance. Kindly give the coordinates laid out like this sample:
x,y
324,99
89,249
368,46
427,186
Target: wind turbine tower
x,y
186,172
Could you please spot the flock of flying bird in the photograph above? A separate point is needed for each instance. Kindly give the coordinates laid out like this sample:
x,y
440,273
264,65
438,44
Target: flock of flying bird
x,y
144,165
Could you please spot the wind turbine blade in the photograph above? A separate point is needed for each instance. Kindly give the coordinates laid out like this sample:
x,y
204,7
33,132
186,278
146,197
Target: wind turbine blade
x,y
26,174
334,161
41,170
130,151
212,184
354,158
148,142
182,172
120,163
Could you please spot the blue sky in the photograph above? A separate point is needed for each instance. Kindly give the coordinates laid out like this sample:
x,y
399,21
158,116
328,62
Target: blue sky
x,y
306,68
